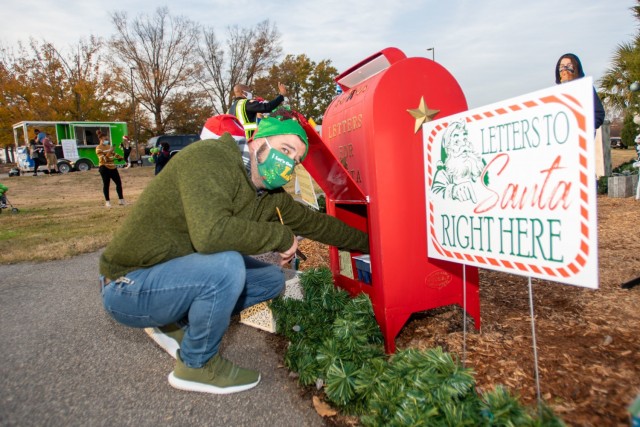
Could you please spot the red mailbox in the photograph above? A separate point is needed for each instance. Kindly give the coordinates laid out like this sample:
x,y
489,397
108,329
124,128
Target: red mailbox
x,y
370,165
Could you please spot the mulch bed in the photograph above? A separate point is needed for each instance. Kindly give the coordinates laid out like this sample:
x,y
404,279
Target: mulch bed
x,y
588,340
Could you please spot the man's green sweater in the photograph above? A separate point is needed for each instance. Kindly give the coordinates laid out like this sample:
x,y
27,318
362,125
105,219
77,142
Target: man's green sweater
x,y
204,201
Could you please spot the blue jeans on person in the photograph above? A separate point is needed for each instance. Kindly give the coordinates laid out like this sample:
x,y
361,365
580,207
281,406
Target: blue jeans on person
x,y
207,289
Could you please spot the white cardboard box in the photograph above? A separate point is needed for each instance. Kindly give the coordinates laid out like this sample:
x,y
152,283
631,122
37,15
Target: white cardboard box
x,y
260,315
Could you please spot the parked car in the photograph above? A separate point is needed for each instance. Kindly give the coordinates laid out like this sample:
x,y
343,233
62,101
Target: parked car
x,y
176,142
616,142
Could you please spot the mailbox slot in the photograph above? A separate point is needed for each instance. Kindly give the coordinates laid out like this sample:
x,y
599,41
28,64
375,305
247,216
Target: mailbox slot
x,y
355,215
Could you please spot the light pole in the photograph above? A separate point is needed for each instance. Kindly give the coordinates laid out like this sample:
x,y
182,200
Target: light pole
x,y
133,114
433,53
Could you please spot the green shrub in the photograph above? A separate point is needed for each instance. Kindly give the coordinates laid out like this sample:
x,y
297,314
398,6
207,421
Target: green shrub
x,y
626,168
603,185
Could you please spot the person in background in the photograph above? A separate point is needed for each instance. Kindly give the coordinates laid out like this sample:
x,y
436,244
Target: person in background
x,y
50,154
40,135
162,156
247,109
3,198
88,137
35,153
637,141
108,169
126,149
184,251
569,68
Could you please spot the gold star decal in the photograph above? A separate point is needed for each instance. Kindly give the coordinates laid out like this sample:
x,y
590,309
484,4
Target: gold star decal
x,y
422,114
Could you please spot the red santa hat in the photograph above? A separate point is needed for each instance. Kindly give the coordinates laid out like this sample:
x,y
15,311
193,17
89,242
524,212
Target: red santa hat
x,y
217,125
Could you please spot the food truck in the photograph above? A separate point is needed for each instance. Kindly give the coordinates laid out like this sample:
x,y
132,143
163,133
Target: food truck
x,y
75,142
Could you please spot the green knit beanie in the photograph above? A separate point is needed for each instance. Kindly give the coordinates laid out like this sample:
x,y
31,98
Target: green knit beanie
x,y
283,121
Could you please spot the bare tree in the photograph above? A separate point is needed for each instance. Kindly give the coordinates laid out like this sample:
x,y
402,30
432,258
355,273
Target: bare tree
x,y
264,50
249,54
213,78
161,52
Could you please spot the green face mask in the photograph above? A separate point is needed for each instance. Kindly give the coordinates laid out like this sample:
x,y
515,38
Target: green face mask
x,y
276,170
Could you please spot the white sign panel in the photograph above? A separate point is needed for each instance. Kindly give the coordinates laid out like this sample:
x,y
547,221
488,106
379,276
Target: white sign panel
x,y
512,186
70,149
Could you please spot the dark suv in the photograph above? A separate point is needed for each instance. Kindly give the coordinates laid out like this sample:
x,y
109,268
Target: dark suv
x,y
176,142
617,143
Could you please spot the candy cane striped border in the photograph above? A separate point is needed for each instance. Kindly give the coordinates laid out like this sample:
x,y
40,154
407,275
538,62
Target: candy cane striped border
x,y
578,263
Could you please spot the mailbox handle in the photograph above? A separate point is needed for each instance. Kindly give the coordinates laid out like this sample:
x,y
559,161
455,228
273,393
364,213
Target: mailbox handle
x,y
368,67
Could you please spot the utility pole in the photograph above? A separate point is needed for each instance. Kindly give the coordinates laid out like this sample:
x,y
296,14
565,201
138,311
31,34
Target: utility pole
x,y
433,53
133,114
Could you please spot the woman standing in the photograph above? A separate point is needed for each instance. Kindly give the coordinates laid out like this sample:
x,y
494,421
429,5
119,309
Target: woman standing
x,y
126,148
34,154
569,68
108,169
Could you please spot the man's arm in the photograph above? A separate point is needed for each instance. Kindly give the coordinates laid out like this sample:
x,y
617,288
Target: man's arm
x,y
321,227
267,107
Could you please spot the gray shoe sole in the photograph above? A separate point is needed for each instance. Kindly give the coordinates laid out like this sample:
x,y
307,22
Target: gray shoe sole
x,y
208,388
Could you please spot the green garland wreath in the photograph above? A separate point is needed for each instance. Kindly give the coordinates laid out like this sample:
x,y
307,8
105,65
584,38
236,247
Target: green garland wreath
x,y
336,344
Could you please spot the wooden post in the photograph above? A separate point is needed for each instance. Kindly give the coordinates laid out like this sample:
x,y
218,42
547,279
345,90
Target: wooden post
x,y
622,185
602,142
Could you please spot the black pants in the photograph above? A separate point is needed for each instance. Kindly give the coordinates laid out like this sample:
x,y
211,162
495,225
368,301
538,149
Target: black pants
x,y
127,152
108,175
36,164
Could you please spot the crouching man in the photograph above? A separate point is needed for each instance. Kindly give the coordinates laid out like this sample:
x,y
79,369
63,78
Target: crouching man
x,y
183,252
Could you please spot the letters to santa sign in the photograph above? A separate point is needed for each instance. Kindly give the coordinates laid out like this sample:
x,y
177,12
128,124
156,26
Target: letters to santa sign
x,y
512,186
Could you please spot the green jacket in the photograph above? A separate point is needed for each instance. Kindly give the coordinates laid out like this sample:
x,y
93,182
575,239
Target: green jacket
x,y
203,201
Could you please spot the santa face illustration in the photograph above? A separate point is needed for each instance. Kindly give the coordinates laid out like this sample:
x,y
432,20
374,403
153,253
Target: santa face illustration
x,y
461,166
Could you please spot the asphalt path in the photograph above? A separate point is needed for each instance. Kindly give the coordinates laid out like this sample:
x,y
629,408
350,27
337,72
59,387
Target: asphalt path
x,y
66,362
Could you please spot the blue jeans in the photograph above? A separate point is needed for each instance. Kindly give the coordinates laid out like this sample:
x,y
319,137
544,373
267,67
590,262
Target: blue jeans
x,y
207,289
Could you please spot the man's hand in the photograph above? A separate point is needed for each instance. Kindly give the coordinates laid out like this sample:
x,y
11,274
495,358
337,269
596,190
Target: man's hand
x,y
282,89
287,255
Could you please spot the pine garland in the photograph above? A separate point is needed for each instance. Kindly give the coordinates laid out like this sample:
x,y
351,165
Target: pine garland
x,y
336,343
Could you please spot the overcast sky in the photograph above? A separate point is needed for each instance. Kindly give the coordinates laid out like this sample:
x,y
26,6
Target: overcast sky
x,y
496,49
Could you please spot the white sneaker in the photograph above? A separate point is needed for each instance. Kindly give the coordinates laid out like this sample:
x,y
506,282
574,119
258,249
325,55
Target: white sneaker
x,y
107,204
122,202
167,337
